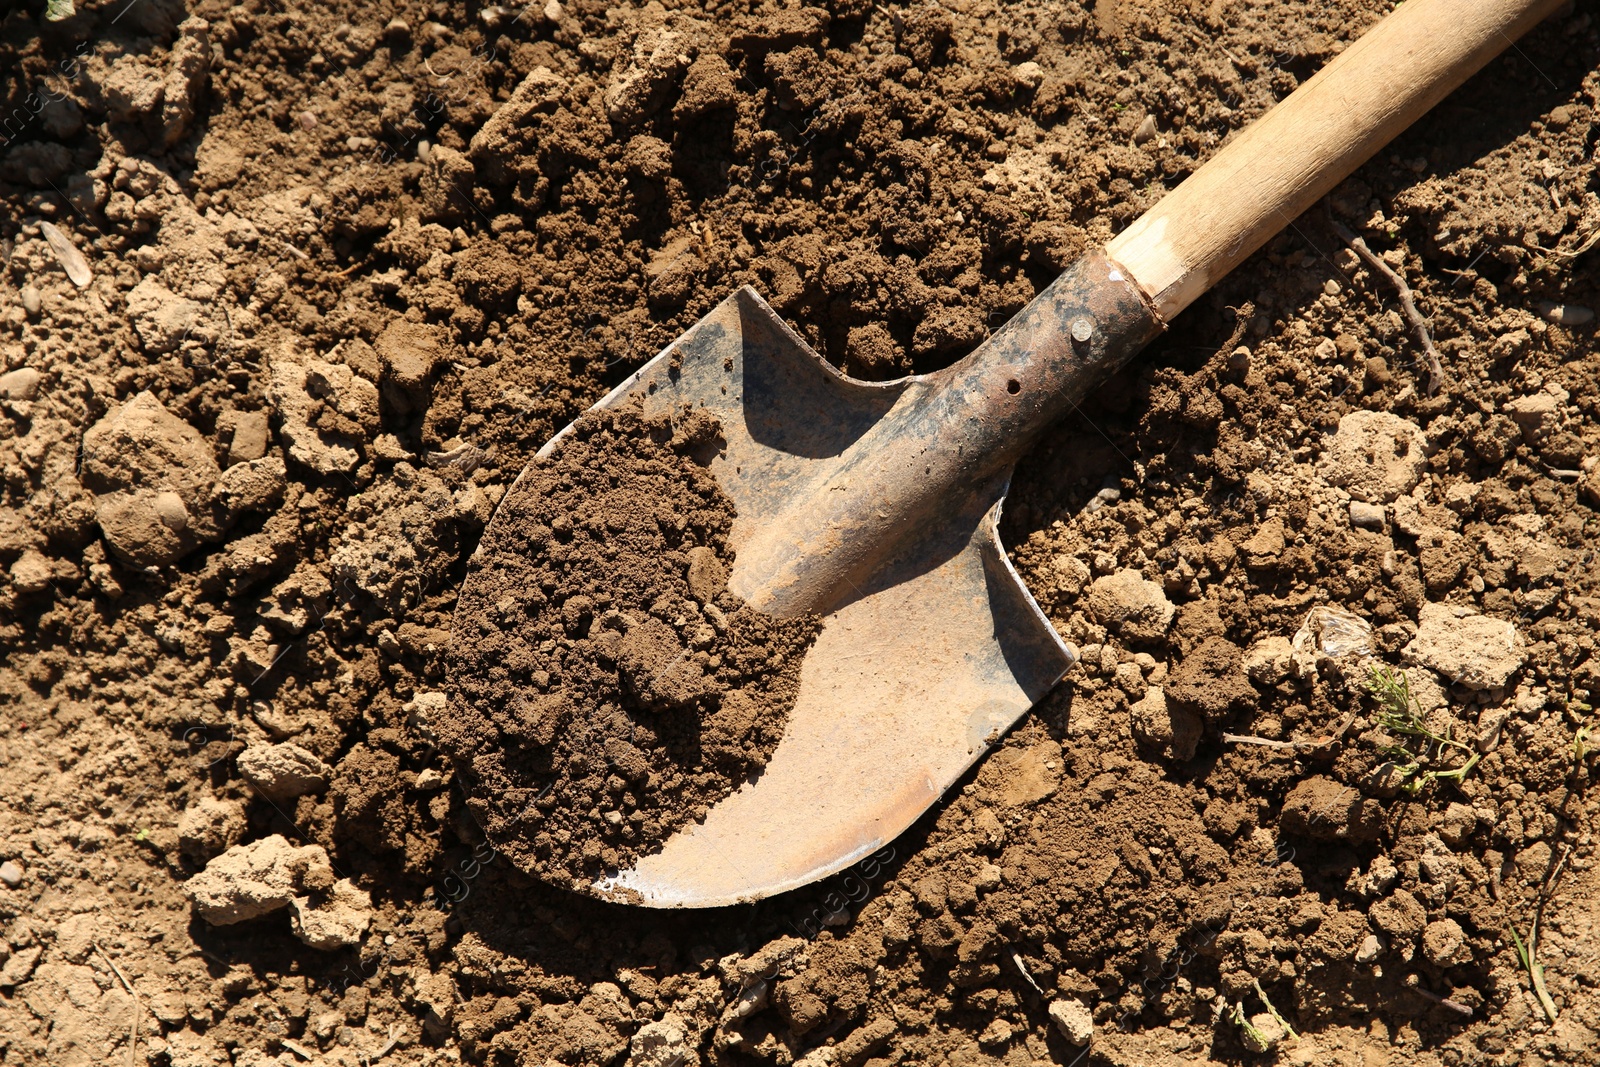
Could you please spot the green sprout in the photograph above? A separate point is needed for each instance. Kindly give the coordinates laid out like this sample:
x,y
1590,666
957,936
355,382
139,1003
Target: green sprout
x,y
56,10
1580,743
1253,1037
1528,956
142,836
1401,715
1262,993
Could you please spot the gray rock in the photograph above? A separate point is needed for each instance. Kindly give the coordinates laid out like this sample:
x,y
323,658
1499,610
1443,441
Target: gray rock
x,y
1366,516
11,873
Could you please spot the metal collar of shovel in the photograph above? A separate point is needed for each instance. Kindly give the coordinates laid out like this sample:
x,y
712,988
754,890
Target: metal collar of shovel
x,y
875,505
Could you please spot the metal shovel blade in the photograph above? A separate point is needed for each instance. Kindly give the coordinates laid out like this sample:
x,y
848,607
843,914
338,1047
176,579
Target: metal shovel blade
x,y
910,679
875,506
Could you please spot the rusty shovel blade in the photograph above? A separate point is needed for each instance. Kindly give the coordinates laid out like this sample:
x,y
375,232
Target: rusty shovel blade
x,y
875,506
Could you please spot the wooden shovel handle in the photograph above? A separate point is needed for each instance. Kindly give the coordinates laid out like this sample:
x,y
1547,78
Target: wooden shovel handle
x,y
1281,164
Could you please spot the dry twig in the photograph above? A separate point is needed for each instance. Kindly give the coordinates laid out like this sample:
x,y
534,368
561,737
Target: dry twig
x,y
1443,1002
1408,304
133,1030
299,1050
1311,742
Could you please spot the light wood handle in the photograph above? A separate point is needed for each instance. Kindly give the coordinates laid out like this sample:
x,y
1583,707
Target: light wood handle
x,y
1281,164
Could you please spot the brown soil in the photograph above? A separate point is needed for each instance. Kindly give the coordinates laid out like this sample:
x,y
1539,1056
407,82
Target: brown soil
x,y
352,265
606,687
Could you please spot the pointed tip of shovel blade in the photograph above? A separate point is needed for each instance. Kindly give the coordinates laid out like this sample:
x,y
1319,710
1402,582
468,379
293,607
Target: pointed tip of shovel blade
x,y
904,689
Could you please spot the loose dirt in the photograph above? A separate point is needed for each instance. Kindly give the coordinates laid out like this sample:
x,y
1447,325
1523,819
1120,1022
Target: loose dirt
x,y
349,267
607,689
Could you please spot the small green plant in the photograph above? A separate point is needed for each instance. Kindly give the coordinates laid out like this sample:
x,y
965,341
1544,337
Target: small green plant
x,y
1580,743
142,836
1256,1039
1252,1037
1528,956
1262,993
1399,714
56,10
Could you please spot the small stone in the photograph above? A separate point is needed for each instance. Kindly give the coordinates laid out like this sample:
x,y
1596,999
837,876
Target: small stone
x,y
283,771
31,303
1566,314
1146,131
170,510
1136,609
1470,649
1028,75
1371,948
1239,360
251,435
1073,1019
1366,516
20,384
11,873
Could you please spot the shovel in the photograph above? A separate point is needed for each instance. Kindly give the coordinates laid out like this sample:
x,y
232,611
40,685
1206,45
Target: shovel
x,y
874,505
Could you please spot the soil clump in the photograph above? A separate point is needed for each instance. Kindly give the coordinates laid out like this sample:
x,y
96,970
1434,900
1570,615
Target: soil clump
x,y
607,688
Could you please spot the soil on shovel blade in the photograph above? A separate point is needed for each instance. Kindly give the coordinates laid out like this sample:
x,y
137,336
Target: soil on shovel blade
x,y
606,687
351,265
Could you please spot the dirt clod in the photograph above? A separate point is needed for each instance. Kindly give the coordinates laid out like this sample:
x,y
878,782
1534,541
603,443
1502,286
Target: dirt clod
x,y
608,689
